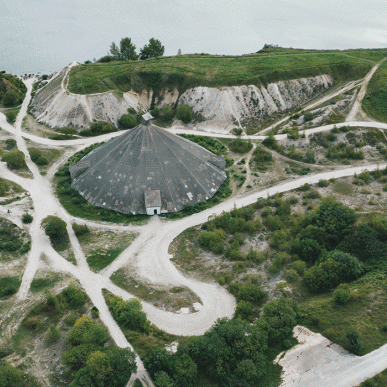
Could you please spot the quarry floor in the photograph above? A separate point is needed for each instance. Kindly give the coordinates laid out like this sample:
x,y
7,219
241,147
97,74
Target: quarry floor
x,y
315,362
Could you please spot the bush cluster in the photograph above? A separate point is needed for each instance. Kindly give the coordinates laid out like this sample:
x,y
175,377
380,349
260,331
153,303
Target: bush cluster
x,y
232,352
37,156
92,364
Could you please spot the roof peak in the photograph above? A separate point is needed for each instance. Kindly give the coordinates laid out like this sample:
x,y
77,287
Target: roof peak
x,y
146,118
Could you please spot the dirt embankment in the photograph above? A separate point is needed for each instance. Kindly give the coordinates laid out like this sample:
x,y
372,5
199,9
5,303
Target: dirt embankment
x,y
226,106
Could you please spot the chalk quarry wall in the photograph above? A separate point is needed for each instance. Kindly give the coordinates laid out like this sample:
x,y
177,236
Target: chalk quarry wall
x,y
224,106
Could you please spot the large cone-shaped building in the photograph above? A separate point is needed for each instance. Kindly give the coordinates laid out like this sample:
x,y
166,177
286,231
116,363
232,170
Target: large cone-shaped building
x,y
148,170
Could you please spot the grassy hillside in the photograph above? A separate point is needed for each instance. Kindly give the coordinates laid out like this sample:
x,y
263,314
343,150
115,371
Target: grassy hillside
x,y
10,83
375,101
183,72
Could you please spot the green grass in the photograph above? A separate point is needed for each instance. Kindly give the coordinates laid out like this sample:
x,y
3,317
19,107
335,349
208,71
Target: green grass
x,y
99,259
379,380
375,100
161,298
39,284
367,313
188,71
209,143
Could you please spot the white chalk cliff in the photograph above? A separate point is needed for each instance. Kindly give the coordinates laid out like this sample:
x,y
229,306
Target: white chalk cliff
x,y
55,106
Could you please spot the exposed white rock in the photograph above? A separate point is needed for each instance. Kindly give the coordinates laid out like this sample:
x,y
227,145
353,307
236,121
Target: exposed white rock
x,y
223,107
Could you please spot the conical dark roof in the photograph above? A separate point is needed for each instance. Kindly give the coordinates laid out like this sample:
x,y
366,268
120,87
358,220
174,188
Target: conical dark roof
x,y
117,174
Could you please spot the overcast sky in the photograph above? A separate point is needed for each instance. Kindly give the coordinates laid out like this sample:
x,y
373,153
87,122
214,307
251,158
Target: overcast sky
x,y
45,35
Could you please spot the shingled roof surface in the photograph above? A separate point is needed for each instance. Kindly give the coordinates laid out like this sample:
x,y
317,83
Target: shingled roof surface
x,y
116,174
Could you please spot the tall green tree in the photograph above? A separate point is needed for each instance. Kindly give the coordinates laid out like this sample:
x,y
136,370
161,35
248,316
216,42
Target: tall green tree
x,y
114,51
152,50
127,50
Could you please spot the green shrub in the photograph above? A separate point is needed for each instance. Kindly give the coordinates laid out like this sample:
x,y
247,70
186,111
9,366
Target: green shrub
x,y
10,143
166,113
184,113
9,286
27,218
74,297
213,240
10,376
291,275
323,183
94,312
240,146
11,98
101,127
355,342
53,335
80,229
299,267
54,227
14,159
70,319
261,155
281,316
11,115
341,296
68,131
308,117
244,310
156,113
129,314
33,324
127,121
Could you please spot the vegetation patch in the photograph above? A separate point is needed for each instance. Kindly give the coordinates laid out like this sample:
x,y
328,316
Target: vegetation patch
x,y
99,259
375,100
12,240
187,71
167,298
137,328
209,143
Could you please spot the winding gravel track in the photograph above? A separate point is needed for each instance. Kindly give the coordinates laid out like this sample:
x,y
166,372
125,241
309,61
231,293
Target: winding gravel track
x,y
148,253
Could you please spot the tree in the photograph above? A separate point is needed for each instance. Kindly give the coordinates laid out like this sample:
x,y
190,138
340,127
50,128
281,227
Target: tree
x,y
14,159
10,98
127,50
184,371
334,219
123,363
10,143
152,50
11,116
307,249
162,379
10,376
281,317
115,51
99,368
166,113
127,121
53,226
157,360
184,113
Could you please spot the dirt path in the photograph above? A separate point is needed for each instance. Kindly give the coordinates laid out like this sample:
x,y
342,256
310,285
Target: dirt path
x,y
348,86
148,253
356,108
321,363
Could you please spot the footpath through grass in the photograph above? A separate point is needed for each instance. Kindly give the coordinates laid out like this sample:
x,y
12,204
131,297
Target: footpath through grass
x,y
186,71
375,101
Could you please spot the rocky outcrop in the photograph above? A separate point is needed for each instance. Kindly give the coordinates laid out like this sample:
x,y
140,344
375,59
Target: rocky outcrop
x,y
55,106
241,103
223,107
